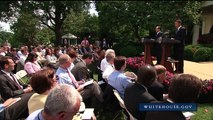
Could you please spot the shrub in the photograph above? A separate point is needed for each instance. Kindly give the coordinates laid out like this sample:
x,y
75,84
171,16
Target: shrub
x,y
128,51
202,54
117,48
190,50
211,55
206,39
188,53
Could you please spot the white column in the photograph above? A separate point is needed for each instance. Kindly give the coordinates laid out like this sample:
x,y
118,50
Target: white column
x,y
195,34
203,25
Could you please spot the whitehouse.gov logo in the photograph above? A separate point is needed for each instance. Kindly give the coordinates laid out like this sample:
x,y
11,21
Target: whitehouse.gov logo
x,y
168,107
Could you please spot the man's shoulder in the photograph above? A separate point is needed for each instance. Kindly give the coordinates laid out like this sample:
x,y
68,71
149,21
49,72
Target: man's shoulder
x,y
35,115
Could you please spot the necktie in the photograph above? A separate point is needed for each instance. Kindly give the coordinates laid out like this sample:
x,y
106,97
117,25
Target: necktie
x,y
75,83
16,83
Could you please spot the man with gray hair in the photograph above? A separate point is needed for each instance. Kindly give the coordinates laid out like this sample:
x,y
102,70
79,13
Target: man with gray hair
x,y
62,103
109,66
104,61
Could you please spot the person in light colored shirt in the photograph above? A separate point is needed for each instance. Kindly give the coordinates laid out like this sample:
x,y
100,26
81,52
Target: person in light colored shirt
x,y
62,103
42,82
31,65
104,62
117,79
110,65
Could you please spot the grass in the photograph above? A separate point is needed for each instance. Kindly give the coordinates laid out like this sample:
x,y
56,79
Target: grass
x,y
204,112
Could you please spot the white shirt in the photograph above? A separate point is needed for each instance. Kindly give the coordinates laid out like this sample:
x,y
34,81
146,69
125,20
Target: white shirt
x,y
103,64
108,70
22,59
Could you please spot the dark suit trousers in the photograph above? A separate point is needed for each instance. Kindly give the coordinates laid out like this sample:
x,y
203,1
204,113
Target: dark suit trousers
x,y
18,109
94,92
179,55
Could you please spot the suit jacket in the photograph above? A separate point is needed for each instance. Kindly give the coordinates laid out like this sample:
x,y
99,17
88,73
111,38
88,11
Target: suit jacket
x,y
133,96
180,35
80,71
156,90
8,87
160,34
165,115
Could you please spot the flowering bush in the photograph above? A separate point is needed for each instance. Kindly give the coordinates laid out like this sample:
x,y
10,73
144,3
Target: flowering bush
x,y
206,95
206,39
133,63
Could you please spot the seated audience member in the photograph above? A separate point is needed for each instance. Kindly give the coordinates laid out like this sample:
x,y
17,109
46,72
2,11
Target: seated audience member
x,y
184,88
51,58
117,79
137,93
73,55
103,61
42,82
15,58
31,65
62,103
14,108
157,89
9,85
110,65
92,91
23,55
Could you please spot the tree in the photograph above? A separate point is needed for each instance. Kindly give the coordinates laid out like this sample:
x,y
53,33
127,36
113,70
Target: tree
x,y
5,36
50,13
132,19
82,24
25,29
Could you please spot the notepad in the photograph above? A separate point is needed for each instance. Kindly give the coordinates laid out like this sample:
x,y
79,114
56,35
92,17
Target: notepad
x,y
88,83
87,115
188,114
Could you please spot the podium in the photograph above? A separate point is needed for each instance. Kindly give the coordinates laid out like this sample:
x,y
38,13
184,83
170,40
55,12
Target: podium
x,y
166,52
147,52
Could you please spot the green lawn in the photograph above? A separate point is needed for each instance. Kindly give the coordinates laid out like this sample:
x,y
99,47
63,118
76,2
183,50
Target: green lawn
x,y
204,112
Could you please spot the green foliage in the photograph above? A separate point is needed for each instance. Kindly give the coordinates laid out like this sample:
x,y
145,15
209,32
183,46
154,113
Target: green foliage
x,y
189,51
5,36
199,52
44,36
50,13
193,10
128,51
129,20
25,29
202,54
82,24
117,47
204,112
211,57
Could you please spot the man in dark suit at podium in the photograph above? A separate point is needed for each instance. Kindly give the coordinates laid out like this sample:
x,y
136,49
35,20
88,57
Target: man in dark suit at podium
x,y
157,46
178,54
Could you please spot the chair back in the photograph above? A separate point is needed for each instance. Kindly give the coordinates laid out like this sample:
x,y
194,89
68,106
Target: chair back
x,y
122,103
21,74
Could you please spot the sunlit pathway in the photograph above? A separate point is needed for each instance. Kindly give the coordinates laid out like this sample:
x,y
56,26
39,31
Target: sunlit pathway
x,y
203,70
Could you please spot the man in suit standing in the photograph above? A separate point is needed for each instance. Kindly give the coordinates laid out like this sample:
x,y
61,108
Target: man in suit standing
x,y
138,93
9,85
178,54
157,46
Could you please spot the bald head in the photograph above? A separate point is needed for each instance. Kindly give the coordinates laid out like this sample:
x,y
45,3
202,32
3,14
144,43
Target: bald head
x,y
160,69
63,58
146,75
